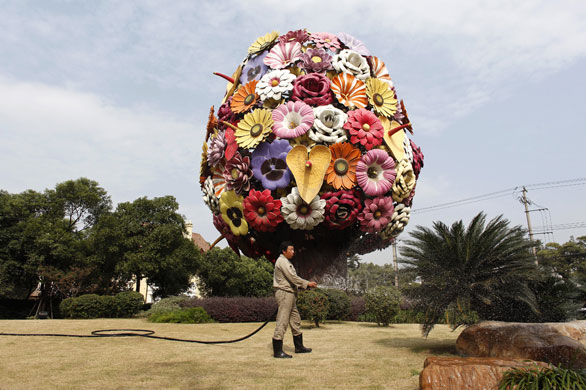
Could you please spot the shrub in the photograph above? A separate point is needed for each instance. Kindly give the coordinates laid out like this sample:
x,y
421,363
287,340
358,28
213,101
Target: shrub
x,y
236,309
313,305
543,378
87,306
382,303
166,305
193,315
339,304
128,303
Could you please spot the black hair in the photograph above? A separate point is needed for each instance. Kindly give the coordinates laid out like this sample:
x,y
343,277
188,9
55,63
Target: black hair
x,y
284,246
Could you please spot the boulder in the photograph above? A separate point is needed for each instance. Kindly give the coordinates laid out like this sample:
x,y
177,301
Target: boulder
x,y
555,343
452,373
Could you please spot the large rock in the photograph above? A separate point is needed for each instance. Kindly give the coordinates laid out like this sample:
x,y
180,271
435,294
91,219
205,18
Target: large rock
x,y
548,342
449,373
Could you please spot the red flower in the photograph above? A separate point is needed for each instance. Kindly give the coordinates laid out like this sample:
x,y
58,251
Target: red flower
x,y
342,208
365,128
417,158
262,211
312,89
231,145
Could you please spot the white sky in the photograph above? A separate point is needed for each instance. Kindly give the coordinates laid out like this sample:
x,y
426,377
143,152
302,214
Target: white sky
x,y
119,92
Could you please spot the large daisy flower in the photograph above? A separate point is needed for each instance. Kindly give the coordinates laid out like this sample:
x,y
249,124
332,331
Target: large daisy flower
x,y
254,128
245,98
283,55
269,164
341,172
295,36
216,149
349,61
262,212
316,60
354,44
263,43
301,215
349,91
379,70
238,173
254,69
342,208
375,172
275,84
231,210
292,119
381,97
325,40
376,214
209,197
328,126
405,181
365,129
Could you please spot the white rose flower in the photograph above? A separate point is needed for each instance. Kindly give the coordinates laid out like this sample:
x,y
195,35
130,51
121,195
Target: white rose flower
x,y
404,182
399,220
408,149
349,61
275,84
328,126
301,215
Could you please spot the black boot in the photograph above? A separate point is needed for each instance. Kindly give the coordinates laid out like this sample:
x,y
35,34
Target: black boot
x,y
278,349
299,348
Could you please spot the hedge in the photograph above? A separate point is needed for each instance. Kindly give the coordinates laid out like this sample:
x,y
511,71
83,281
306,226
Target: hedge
x,y
124,304
236,309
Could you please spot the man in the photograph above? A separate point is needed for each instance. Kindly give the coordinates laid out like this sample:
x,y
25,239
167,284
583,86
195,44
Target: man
x,y
286,283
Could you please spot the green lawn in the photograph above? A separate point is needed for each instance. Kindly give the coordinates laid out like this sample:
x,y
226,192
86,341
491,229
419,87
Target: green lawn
x,y
347,355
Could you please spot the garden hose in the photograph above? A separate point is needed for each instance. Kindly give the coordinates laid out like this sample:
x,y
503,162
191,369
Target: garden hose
x,y
139,333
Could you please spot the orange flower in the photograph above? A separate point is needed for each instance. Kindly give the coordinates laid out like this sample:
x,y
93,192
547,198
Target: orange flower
x,y
349,91
245,98
342,170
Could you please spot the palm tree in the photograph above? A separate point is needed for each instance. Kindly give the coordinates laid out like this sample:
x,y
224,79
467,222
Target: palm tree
x,y
482,270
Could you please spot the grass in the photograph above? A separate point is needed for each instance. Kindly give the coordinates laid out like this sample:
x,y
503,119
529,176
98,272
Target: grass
x,y
346,355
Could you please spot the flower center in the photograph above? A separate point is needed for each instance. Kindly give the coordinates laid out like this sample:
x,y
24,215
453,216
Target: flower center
x,y
249,99
256,130
303,209
372,172
328,120
235,215
342,213
327,40
274,82
366,127
341,166
234,173
316,59
253,72
355,59
378,99
377,214
261,210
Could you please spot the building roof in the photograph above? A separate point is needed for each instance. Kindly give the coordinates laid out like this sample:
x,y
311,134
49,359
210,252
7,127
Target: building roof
x,y
199,241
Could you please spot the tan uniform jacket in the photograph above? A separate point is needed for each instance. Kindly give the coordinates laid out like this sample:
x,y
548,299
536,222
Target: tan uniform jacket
x,y
285,278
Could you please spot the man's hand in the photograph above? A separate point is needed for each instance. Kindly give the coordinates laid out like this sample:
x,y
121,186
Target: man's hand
x,y
312,284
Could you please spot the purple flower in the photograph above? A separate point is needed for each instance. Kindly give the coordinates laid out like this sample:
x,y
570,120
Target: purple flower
x,y
254,69
269,164
353,44
316,60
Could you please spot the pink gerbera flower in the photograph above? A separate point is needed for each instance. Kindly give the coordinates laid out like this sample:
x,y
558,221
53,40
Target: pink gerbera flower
x,y
325,40
283,55
377,214
364,128
292,119
375,172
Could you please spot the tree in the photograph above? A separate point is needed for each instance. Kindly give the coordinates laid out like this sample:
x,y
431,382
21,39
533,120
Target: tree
x,y
144,238
223,273
483,268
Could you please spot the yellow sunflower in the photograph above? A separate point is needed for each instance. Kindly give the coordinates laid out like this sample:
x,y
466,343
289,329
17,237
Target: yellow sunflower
x,y
231,209
381,97
254,128
263,42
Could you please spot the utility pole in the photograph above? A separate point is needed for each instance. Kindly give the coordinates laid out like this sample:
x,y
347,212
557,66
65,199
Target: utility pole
x,y
396,266
526,203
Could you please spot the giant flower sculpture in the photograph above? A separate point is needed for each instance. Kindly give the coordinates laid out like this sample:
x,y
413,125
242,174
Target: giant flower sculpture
x,y
310,144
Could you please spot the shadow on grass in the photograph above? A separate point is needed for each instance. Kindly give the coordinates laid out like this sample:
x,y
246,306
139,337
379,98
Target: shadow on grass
x,y
418,345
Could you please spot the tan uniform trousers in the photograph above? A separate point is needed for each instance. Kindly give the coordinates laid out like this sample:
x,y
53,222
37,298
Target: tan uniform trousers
x,y
287,315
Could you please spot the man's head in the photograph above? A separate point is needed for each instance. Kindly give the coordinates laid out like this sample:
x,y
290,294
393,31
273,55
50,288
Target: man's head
x,y
287,249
